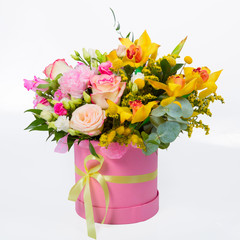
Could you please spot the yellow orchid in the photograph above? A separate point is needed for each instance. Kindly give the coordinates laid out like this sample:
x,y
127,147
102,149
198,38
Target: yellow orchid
x,y
175,86
205,79
124,112
137,53
126,115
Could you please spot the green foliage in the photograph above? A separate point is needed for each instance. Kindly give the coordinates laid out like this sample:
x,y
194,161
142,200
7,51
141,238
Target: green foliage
x,y
166,69
35,123
172,110
187,109
92,150
168,131
36,111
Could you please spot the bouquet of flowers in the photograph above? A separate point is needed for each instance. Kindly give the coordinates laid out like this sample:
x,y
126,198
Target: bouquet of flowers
x,y
128,96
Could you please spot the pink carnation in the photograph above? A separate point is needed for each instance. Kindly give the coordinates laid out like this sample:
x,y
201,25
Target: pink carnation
x,y
75,81
59,109
58,95
41,100
104,68
33,84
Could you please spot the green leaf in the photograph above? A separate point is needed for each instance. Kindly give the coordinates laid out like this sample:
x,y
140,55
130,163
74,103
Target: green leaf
x,y
156,121
40,128
118,26
187,109
166,69
59,135
128,35
144,135
174,110
37,111
70,141
153,142
178,48
42,86
59,75
182,123
150,148
50,133
35,123
147,120
114,17
92,150
159,111
176,68
168,131
163,145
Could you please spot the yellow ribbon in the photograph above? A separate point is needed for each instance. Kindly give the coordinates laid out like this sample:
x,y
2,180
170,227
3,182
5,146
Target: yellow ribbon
x,y
102,180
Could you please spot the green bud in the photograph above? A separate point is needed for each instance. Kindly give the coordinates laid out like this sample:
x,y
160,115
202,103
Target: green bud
x,y
134,88
130,84
54,102
86,55
73,132
77,101
66,105
98,53
77,53
72,105
54,84
75,57
46,115
55,115
94,64
39,93
86,97
52,125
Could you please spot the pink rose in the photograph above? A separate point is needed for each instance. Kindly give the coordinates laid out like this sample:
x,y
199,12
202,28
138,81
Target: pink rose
x,y
106,87
104,68
75,81
33,84
57,67
59,109
88,119
41,100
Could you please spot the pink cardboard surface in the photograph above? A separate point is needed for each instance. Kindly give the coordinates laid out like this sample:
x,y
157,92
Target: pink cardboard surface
x,y
129,203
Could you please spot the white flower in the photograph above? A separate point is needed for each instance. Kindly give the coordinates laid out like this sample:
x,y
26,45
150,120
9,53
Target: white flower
x,y
62,124
137,76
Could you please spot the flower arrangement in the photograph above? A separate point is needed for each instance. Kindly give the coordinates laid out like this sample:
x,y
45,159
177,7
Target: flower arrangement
x,y
128,96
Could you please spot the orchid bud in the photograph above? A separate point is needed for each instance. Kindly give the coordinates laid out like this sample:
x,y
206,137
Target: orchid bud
x,y
52,125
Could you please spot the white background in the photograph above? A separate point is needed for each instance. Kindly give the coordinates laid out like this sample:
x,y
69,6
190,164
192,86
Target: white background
x,y
199,180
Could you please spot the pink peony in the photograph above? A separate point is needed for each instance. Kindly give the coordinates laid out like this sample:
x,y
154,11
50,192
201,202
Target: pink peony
x,y
106,87
33,84
104,68
75,81
59,109
88,119
41,100
57,67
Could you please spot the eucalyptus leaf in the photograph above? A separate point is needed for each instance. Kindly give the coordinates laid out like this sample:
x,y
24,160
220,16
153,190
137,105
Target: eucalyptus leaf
x,y
144,135
150,148
174,110
163,145
159,111
156,121
187,108
168,131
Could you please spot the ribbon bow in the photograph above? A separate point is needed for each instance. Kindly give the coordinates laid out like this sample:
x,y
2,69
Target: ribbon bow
x,y
85,182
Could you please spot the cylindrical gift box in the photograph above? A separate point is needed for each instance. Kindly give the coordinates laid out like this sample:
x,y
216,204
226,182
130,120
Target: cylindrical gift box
x,y
129,203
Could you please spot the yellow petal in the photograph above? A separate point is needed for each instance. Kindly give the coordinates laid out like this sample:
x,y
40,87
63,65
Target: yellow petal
x,y
157,85
126,42
143,112
189,87
113,58
174,87
125,116
214,76
167,101
154,50
144,41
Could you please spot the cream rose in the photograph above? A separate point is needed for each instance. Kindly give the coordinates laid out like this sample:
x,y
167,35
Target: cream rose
x,y
88,119
106,87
